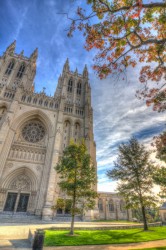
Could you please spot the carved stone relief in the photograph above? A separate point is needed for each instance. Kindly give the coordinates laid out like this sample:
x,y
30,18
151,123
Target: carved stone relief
x,y
21,183
9,165
39,168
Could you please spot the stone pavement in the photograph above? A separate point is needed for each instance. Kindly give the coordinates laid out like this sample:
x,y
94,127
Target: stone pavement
x,y
13,244
158,243
130,246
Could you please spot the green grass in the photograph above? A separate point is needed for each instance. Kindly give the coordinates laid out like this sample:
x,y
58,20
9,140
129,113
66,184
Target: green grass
x,y
99,237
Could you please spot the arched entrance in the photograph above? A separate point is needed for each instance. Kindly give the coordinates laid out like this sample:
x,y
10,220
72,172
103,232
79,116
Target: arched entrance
x,y
21,191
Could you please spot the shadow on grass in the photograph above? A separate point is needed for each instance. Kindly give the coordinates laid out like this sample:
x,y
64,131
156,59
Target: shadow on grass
x,y
99,237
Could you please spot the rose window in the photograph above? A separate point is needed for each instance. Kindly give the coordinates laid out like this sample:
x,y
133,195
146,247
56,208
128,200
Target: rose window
x,y
33,131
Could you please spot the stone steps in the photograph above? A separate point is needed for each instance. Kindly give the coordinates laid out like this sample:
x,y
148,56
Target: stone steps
x,y
66,219
19,218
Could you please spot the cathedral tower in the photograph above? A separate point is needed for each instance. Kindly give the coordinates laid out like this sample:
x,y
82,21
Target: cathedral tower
x,y
35,129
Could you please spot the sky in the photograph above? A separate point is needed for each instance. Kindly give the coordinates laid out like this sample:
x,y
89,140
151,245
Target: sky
x,y
118,114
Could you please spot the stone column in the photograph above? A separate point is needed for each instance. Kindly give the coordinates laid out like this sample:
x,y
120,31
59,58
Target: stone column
x,y
43,189
3,193
47,212
5,150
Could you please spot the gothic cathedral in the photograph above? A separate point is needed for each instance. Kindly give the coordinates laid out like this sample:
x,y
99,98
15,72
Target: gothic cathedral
x,y
34,130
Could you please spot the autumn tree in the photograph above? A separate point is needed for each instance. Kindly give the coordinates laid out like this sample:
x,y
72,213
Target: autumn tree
x,y
77,178
160,173
123,33
160,144
134,171
159,179
63,204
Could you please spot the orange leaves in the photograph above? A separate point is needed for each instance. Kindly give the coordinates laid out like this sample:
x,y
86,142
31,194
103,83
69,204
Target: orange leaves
x,y
148,102
118,29
133,63
138,10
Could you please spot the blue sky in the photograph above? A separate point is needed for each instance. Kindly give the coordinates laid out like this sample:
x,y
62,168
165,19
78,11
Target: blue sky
x,y
118,115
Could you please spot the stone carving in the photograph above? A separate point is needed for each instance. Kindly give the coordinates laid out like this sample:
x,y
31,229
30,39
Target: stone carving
x,y
10,165
38,168
33,131
21,183
7,121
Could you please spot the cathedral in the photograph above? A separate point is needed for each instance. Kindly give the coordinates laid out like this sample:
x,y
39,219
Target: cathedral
x,y
34,130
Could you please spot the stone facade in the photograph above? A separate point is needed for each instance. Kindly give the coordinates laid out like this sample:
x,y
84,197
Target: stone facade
x,y
112,207
162,212
34,130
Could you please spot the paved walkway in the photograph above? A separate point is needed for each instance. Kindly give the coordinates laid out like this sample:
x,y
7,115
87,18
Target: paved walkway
x,y
158,243
24,245
13,244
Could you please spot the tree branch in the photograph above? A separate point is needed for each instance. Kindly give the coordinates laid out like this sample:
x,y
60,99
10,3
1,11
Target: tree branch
x,y
145,6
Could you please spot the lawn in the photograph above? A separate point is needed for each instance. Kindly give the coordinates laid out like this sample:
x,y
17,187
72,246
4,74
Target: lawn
x,y
99,237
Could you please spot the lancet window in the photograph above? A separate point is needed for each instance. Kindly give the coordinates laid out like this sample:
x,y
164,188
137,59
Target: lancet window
x,y
21,70
9,68
100,205
70,86
3,110
66,134
79,88
111,205
77,131
122,206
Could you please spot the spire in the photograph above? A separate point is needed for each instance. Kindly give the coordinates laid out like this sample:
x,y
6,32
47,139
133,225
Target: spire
x,y
11,47
66,66
85,72
76,71
34,55
22,53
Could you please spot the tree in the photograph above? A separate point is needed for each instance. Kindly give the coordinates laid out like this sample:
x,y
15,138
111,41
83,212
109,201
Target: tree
x,y
160,144
160,173
123,33
63,204
77,178
159,179
134,171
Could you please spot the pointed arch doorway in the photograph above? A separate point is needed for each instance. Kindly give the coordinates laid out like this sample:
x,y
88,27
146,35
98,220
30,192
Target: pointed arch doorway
x,y
21,191
16,202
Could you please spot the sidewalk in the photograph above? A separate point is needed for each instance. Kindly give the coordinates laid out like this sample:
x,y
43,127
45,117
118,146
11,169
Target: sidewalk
x,y
157,243
8,245
21,245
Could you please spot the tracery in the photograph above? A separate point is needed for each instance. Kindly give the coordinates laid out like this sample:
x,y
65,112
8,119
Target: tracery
x,y
33,131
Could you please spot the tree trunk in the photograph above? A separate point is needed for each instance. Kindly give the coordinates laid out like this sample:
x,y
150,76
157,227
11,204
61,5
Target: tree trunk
x,y
72,225
74,204
144,218
73,214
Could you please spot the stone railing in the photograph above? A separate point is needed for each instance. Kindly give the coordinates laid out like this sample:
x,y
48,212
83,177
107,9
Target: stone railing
x,y
78,111
27,153
40,99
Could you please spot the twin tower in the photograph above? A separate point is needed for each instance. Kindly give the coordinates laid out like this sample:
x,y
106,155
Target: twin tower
x,y
35,129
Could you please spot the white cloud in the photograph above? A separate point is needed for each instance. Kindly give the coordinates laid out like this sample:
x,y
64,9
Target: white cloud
x,y
119,115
